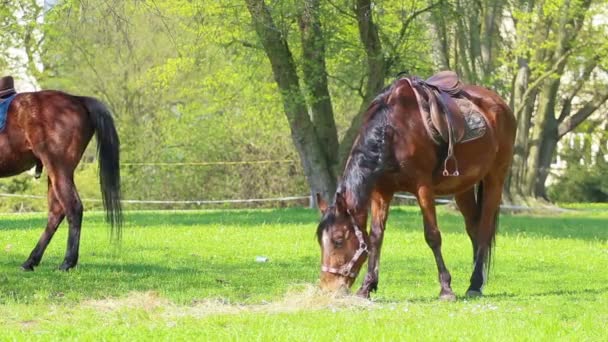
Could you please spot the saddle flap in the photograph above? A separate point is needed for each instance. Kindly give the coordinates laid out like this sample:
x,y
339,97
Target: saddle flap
x,y
455,116
446,116
437,118
447,81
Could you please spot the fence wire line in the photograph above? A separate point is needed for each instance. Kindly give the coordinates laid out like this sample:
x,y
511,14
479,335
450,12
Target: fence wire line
x,y
245,162
251,200
276,199
502,206
269,161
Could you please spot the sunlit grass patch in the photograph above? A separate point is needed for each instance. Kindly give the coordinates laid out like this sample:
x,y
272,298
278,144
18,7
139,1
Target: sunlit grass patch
x,y
194,275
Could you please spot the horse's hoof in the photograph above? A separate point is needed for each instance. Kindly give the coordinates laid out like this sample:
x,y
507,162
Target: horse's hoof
x,y
473,294
363,294
447,297
27,268
65,267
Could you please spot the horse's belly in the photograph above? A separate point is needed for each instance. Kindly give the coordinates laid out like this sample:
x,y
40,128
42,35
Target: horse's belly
x,y
8,169
472,168
457,184
12,161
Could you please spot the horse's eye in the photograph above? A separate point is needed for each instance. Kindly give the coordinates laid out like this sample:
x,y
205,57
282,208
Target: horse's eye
x,y
338,243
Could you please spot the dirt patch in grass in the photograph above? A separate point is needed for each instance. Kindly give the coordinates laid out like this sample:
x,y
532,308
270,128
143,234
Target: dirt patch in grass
x,y
29,324
147,301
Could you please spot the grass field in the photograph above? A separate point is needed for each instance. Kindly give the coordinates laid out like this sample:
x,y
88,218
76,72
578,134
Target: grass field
x,y
193,276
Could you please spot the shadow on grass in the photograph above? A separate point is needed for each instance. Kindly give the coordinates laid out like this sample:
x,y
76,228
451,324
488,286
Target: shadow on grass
x,y
404,219
561,292
560,227
461,297
179,218
205,278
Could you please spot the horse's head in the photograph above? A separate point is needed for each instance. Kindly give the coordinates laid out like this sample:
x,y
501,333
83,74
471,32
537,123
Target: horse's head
x,y
343,245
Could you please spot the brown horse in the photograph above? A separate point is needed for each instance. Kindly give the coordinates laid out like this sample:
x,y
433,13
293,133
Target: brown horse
x,y
393,152
52,129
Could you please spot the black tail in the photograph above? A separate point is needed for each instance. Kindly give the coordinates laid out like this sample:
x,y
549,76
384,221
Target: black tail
x,y
494,228
108,153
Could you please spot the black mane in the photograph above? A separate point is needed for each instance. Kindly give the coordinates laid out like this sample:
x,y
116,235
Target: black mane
x,y
370,154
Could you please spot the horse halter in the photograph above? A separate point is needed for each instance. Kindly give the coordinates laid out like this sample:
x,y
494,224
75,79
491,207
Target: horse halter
x,y
345,270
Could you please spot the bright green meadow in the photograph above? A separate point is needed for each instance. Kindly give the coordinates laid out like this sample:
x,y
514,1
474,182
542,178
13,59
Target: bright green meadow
x,y
193,275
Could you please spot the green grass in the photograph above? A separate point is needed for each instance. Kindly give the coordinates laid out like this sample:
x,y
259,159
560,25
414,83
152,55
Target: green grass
x,y
192,276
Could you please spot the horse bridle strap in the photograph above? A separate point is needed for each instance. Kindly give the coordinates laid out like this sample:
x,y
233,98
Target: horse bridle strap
x,y
345,270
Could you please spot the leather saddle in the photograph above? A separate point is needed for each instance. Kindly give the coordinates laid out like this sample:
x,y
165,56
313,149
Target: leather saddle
x,y
7,87
445,114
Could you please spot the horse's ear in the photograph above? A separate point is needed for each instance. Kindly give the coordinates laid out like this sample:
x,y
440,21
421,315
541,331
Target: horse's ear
x,y
321,203
340,203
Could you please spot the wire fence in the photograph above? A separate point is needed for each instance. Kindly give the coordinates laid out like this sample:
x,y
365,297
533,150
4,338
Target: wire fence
x,y
194,185
411,200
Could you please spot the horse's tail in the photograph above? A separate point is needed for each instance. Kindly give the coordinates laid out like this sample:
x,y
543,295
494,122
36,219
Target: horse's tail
x,y
493,228
109,161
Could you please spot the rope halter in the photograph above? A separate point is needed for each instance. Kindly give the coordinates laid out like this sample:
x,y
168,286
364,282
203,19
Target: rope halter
x,y
346,270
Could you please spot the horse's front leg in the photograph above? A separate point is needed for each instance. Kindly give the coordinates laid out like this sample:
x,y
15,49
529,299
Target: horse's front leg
x,y
432,235
379,206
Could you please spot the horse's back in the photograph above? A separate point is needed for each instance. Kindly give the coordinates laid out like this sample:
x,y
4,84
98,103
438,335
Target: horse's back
x,y
40,125
476,158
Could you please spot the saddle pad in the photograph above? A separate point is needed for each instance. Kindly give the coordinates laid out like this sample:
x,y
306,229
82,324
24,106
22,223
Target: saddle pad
x,y
475,122
4,104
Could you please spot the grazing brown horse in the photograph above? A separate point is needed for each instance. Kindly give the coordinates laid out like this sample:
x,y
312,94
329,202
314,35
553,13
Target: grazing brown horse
x,y
394,152
52,129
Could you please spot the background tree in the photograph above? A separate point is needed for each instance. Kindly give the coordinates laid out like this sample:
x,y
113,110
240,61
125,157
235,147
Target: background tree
x,y
194,81
22,38
546,57
311,118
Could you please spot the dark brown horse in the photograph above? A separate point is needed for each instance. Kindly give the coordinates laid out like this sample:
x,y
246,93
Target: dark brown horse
x,y
52,129
393,152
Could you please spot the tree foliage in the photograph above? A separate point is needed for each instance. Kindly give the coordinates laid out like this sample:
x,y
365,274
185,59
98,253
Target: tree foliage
x,y
286,82
546,57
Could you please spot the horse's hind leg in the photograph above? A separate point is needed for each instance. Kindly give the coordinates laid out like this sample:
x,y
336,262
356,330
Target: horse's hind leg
x,y
432,235
55,217
470,211
490,202
65,190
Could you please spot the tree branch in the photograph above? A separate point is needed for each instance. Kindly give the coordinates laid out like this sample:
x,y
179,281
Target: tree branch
x,y
341,11
406,24
541,78
315,78
575,120
580,82
244,43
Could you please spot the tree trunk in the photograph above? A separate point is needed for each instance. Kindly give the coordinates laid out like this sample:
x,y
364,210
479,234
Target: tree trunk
x,y
544,119
437,25
547,149
315,78
523,105
312,155
376,72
